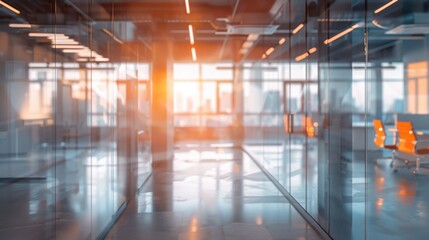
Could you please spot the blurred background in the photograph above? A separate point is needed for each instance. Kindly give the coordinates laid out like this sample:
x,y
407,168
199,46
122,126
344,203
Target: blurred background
x,y
95,94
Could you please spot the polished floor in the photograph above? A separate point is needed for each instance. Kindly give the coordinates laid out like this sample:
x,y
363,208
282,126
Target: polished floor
x,y
211,193
388,205
68,192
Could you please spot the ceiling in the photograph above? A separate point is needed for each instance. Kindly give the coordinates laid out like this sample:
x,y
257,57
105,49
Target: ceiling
x,y
126,29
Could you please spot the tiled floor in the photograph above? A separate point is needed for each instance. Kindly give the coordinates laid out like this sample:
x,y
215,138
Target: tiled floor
x,y
211,193
66,193
386,205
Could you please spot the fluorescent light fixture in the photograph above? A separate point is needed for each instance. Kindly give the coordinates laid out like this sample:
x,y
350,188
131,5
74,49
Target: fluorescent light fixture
x,y
191,35
282,41
85,54
82,50
269,51
243,51
380,9
306,54
264,56
10,7
67,46
298,28
96,55
65,41
88,54
101,59
19,25
341,34
252,37
194,54
188,8
72,50
302,57
47,35
312,50
247,44
59,37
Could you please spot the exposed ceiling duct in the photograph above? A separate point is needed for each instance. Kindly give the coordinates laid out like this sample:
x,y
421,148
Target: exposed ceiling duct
x,y
249,29
414,24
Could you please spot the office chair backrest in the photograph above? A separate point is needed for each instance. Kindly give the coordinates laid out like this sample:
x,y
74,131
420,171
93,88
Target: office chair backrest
x,y
407,137
309,127
380,134
287,123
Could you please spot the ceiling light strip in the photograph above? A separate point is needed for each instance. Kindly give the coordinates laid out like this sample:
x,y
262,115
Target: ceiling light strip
x,y
47,35
67,46
341,34
19,25
81,50
247,44
2,3
194,54
65,42
298,28
282,41
252,37
302,57
188,8
191,35
306,54
382,8
269,51
312,50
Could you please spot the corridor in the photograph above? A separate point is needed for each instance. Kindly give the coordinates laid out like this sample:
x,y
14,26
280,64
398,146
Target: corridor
x,y
211,193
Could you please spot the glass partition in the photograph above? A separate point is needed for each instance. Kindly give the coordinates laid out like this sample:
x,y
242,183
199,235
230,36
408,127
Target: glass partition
x,y
68,104
344,64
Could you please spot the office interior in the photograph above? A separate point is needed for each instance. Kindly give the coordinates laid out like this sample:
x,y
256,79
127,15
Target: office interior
x,y
214,119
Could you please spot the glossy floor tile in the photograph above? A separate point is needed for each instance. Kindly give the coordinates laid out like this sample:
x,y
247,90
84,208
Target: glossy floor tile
x,y
211,193
368,199
65,193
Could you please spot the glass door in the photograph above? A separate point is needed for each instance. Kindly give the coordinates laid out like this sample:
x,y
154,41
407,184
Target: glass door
x,y
294,106
295,113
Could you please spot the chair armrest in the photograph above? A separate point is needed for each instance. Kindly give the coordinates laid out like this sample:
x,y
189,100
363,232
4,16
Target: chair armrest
x,y
424,137
421,144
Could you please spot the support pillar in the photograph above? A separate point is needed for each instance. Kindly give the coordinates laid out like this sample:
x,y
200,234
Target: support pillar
x,y
162,106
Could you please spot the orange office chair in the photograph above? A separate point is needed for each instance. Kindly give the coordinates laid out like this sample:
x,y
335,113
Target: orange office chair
x,y
407,138
408,143
310,129
380,138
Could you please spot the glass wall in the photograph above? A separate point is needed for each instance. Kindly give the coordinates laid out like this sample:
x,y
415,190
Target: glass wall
x,y
341,65
74,120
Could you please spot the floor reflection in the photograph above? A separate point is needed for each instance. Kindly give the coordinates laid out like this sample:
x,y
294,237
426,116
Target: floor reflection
x,y
395,204
68,192
212,193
